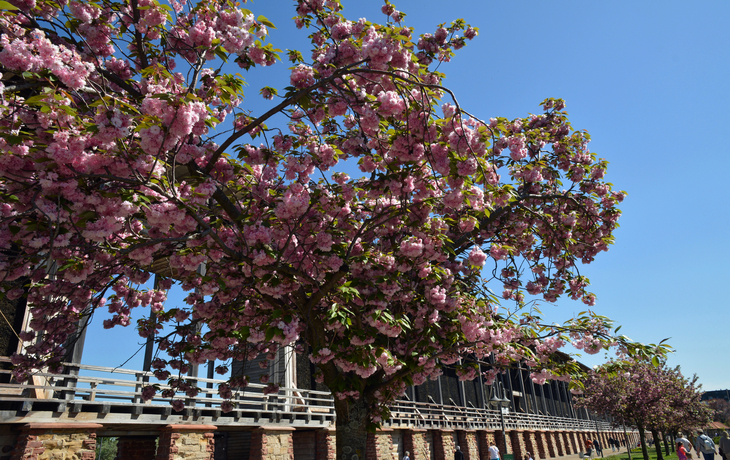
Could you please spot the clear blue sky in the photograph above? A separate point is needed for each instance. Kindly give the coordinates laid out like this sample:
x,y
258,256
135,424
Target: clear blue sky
x,y
649,81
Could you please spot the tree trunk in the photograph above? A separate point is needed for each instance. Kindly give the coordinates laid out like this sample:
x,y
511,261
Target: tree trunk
x,y
352,434
666,444
657,444
644,450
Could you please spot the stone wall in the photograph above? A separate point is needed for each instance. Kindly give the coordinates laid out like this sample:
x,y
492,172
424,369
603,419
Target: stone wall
x,y
326,445
186,442
272,444
469,444
77,441
67,441
420,448
379,445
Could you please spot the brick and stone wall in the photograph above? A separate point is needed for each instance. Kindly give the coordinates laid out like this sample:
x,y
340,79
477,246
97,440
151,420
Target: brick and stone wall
x,y
326,445
186,442
275,443
68,441
469,444
379,445
420,448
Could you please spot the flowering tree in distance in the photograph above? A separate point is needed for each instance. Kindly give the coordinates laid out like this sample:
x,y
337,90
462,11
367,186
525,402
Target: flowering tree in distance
x,y
648,395
127,151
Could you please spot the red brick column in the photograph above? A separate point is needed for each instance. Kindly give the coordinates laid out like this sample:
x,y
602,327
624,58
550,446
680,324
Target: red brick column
x,y
56,440
467,440
484,440
136,448
548,446
531,444
503,444
442,441
189,442
542,445
271,443
420,449
568,442
518,444
379,445
325,445
556,441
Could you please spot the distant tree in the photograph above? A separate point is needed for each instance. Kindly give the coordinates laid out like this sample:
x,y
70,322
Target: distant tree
x,y
647,395
106,448
721,410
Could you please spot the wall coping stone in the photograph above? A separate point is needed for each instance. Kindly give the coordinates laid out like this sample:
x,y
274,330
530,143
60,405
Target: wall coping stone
x,y
274,428
184,427
62,426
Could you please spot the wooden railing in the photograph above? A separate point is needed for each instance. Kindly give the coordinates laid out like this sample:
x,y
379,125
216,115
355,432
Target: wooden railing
x,y
118,392
434,416
116,395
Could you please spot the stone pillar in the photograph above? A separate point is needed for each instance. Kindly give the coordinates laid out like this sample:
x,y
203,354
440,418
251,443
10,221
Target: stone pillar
x,y
485,440
467,440
379,445
553,442
326,448
186,442
420,448
575,442
503,443
272,443
531,444
541,445
136,448
551,448
56,440
518,444
443,445
567,444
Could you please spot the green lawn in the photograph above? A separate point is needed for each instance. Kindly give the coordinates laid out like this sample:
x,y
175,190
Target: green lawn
x,y
636,455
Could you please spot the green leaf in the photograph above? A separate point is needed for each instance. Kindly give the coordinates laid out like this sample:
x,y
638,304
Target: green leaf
x,y
263,20
7,6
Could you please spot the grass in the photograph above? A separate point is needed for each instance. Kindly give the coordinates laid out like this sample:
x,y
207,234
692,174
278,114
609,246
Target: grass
x,y
636,455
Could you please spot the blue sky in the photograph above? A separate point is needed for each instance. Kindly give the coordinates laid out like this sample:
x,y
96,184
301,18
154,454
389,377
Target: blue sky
x,y
649,81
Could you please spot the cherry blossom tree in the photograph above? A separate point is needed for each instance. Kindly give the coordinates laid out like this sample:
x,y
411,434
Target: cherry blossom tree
x,y
127,151
721,410
648,395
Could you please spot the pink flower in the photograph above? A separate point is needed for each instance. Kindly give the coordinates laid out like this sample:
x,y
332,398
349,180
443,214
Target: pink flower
x,y
302,76
477,257
178,405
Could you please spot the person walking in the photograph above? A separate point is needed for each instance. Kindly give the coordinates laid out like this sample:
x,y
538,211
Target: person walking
x,y
685,442
705,445
407,456
724,445
681,451
458,455
589,447
597,446
493,451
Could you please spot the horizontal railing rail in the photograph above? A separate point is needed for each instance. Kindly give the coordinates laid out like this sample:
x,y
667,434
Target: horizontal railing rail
x,y
80,390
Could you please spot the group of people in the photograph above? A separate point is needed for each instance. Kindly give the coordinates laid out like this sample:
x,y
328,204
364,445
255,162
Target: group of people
x,y
592,446
703,445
